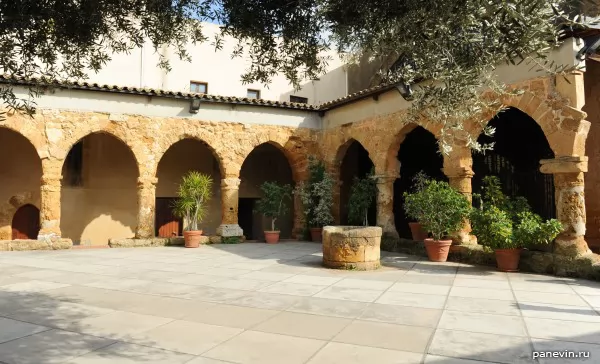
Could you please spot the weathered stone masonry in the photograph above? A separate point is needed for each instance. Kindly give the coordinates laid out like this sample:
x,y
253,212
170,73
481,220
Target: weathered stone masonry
x,y
554,105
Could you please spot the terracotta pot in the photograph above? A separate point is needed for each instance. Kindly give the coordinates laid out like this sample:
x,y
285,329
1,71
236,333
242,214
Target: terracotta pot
x,y
418,233
272,237
437,250
192,238
316,234
508,259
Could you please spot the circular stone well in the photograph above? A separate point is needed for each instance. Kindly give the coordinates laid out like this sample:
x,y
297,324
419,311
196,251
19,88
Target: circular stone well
x,y
351,247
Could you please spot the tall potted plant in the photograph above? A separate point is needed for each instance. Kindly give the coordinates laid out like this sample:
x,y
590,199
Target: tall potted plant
x,y
442,210
194,194
272,205
507,225
362,195
316,196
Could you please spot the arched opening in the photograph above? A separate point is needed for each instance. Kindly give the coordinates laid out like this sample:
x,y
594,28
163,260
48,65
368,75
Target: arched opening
x,y
26,223
355,163
265,163
182,157
519,145
418,152
99,191
20,177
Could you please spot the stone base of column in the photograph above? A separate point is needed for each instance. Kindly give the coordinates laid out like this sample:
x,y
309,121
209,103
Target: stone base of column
x,y
227,230
571,246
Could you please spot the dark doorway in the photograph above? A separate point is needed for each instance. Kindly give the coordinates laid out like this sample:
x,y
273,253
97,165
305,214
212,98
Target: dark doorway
x,y
26,223
355,163
519,145
167,225
418,152
247,219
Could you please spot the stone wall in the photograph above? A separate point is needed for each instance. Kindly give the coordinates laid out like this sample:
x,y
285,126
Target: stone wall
x,y
592,178
52,133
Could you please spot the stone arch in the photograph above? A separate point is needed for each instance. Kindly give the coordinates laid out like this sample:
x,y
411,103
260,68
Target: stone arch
x,y
99,190
565,127
520,145
352,160
172,140
26,222
414,149
387,163
268,161
182,156
20,176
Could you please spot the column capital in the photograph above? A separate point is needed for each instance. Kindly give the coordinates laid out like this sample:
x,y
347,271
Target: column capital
x,y
147,182
384,178
230,183
564,164
458,172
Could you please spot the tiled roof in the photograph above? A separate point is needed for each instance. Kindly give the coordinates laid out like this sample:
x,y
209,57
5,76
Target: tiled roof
x,y
369,92
11,79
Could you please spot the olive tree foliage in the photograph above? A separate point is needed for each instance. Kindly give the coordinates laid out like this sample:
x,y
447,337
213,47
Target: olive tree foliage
x,y
454,42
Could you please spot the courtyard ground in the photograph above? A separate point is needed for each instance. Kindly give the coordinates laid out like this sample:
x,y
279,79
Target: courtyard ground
x,y
259,303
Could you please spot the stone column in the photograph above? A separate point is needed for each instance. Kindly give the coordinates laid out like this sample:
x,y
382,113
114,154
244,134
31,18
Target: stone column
x,y
230,188
146,207
385,205
50,207
459,178
570,202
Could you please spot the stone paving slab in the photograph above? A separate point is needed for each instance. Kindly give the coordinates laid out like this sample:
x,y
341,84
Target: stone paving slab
x,y
259,303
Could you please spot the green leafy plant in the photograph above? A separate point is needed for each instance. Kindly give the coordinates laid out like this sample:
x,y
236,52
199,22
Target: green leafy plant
x,y
362,194
194,194
532,230
502,222
438,207
316,195
493,228
274,202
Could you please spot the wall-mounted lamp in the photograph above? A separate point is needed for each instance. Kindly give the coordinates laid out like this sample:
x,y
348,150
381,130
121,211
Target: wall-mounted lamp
x,y
406,91
194,106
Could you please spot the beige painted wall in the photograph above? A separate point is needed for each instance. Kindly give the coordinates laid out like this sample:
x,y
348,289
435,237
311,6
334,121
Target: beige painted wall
x,y
191,155
20,175
592,150
106,205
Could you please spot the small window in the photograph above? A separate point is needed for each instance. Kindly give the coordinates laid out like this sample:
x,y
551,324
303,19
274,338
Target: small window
x,y
298,99
253,94
198,87
73,167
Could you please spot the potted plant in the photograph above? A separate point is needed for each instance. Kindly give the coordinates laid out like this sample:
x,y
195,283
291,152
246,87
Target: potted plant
x,y
362,196
272,205
441,210
316,196
507,225
194,194
416,229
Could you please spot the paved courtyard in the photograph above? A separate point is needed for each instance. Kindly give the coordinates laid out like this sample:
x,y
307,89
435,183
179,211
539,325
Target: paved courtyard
x,y
259,303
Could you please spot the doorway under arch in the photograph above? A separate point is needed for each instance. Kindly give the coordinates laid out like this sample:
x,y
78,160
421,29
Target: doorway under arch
x,y
266,163
519,145
182,157
26,223
355,163
419,151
